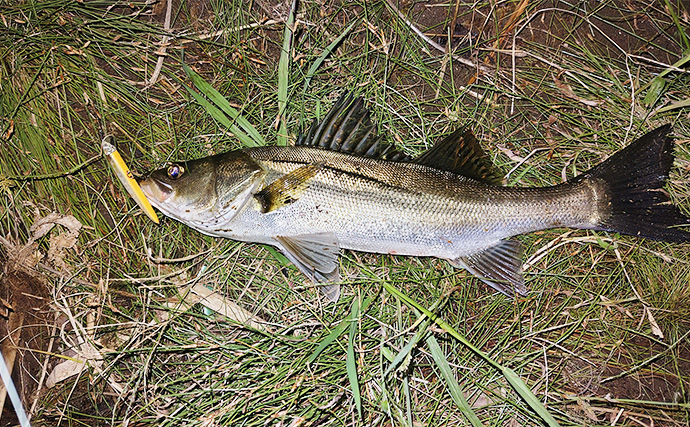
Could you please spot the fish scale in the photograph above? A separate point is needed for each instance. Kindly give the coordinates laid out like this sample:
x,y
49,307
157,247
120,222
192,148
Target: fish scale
x,y
409,209
343,188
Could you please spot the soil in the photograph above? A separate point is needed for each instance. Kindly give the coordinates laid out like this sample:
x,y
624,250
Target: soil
x,y
654,382
26,330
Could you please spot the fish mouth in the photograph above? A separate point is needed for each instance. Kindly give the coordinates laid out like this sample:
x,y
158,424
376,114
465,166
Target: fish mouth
x,y
156,191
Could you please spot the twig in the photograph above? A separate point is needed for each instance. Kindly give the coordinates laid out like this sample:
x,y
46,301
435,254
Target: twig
x,y
159,260
435,45
533,152
68,172
44,370
648,361
218,33
68,279
163,49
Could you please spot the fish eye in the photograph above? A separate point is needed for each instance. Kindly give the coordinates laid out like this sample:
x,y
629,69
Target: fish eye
x,y
175,171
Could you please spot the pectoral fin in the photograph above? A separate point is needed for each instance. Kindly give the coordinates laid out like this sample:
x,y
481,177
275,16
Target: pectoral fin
x,y
286,189
499,266
316,255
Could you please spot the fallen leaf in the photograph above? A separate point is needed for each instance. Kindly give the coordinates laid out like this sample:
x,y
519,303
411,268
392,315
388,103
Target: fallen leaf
x,y
567,90
57,245
221,305
71,367
41,227
656,330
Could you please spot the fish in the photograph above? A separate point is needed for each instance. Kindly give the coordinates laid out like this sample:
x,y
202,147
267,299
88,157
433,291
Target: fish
x,y
341,186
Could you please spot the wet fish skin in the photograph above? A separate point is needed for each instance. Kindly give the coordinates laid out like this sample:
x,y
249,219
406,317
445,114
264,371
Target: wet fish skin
x,y
312,200
408,209
373,205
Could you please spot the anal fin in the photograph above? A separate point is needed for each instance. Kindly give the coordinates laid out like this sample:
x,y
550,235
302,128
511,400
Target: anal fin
x,y
499,266
316,256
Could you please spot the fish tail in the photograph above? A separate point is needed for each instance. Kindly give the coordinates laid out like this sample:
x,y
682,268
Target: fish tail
x,y
634,201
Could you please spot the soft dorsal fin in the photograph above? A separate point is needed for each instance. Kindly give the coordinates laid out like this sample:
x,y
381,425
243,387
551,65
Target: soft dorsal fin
x,y
347,128
461,153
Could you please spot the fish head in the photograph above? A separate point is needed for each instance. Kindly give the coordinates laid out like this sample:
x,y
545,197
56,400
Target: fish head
x,y
203,193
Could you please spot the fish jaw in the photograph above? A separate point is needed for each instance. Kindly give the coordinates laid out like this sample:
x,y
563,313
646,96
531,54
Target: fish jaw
x,y
156,192
162,196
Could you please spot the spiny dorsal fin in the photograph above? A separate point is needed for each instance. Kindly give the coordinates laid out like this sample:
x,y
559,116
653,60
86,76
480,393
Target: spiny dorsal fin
x,y
347,128
286,189
461,153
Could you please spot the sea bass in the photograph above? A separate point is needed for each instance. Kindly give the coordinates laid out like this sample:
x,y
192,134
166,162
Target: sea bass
x,y
341,187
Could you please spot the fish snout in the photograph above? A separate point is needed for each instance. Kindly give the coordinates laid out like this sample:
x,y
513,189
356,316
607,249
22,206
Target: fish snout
x,y
155,190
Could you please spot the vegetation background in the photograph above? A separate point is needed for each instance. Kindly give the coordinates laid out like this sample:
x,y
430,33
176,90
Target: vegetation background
x,y
109,319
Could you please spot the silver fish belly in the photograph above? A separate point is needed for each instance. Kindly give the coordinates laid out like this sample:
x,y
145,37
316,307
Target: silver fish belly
x,y
404,208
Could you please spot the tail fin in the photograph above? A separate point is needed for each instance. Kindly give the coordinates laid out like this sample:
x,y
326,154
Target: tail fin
x,y
634,179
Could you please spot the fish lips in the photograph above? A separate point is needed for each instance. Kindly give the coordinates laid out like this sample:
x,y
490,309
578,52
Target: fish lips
x,y
156,191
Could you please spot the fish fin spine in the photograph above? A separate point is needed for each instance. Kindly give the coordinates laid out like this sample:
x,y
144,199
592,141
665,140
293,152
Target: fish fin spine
x,y
499,266
461,153
347,128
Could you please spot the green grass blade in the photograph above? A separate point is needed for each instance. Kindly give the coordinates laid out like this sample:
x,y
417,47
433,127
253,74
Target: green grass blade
x,y
682,62
284,74
408,401
527,394
218,115
682,29
658,85
279,256
351,362
336,332
222,110
512,378
326,52
451,381
403,356
675,105
656,89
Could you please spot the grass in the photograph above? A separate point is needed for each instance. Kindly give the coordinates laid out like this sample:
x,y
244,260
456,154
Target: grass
x,y
601,339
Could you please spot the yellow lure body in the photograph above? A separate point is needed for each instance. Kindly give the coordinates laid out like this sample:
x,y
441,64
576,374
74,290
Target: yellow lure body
x,y
126,178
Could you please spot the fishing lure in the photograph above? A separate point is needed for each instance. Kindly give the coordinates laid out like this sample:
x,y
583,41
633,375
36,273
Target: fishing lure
x,y
126,178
